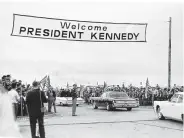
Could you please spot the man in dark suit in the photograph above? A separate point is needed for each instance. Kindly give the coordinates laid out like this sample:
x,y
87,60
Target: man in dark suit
x,y
35,99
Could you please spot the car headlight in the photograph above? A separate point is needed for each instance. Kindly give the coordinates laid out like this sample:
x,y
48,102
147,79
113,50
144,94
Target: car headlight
x,y
114,101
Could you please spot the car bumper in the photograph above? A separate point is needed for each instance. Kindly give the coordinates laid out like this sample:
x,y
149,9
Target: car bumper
x,y
125,105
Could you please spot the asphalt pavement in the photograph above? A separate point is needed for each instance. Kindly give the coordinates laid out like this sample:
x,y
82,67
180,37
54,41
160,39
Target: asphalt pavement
x,y
98,123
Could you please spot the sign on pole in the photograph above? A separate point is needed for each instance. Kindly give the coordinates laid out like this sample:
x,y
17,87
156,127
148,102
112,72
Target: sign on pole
x,y
75,30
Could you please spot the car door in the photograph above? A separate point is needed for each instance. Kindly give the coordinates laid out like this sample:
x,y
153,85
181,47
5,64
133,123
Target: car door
x,y
169,106
102,101
178,107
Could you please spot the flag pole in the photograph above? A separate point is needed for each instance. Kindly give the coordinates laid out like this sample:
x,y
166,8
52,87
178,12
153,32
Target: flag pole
x,y
169,56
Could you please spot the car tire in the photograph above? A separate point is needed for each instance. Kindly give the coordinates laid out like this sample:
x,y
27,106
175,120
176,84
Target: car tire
x,y
159,114
129,109
109,107
94,105
114,109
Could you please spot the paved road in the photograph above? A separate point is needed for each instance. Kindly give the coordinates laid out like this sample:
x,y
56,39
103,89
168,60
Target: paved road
x,y
90,123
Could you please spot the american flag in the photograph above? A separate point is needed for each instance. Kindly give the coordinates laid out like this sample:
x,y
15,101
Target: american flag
x,y
147,88
67,86
45,83
105,86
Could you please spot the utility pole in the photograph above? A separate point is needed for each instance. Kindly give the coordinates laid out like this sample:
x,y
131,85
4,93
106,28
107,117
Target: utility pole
x,y
169,56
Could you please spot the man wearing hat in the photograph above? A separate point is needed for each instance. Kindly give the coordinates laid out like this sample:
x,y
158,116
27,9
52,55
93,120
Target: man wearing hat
x,y
35,99
74,99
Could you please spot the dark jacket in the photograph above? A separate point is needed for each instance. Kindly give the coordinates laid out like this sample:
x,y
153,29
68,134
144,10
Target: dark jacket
x,y
51,95
34,103
74,93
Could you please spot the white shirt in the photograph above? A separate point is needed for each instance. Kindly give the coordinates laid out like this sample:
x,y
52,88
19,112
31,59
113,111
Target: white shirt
x,y
13,95
8,126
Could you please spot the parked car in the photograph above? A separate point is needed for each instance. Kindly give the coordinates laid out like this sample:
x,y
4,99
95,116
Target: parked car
x,y
67,101
172,108
112,100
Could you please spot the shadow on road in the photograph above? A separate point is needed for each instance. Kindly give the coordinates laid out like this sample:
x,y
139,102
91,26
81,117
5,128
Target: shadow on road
x,y
115,110
173,121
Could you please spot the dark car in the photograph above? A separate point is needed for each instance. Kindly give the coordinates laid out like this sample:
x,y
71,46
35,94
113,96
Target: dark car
x,y
112,100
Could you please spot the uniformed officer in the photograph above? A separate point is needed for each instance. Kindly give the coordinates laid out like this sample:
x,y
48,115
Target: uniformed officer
x,y
74,99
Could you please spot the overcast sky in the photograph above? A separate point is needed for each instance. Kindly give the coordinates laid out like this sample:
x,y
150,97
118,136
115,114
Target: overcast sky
x,y
86,62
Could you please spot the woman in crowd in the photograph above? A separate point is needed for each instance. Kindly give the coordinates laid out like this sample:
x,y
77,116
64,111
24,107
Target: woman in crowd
x,y
8,125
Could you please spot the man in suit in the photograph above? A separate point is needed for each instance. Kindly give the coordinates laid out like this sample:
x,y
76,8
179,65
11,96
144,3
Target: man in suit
x,y
74,99
35,99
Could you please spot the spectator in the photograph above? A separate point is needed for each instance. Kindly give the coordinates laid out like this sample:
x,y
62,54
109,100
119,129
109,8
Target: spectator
x,y
35,99
74,99
51,99
14,98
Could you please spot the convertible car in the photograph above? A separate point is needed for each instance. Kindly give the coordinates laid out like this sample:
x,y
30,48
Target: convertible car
x,y
67,101
172,108
112,100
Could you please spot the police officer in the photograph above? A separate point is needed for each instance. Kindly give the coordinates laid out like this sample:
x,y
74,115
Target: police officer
x,y
74,99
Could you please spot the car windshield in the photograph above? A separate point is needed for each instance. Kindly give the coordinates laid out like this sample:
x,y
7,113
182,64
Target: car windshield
x,y
65,94
118,95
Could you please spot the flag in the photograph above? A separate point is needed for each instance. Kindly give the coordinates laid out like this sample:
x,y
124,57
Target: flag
x,y
67,85
147,88
157,86
47,84
105,85
130,86
123,85
43,82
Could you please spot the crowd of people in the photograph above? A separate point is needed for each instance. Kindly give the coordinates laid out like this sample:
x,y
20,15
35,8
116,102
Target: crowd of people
x,y
31,100
19,91
146,96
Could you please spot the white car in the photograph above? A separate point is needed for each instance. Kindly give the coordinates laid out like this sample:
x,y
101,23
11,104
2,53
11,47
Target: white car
x,y
172,108
67,101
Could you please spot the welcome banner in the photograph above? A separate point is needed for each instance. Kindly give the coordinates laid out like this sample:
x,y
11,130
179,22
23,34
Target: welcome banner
x,y
74,30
